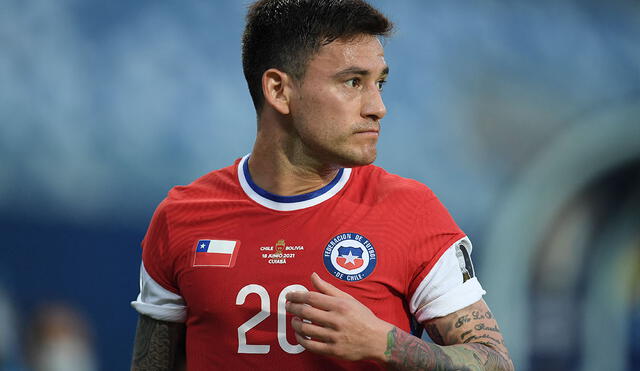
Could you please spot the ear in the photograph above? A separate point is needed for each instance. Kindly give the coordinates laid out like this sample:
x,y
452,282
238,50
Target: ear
x,y
276,88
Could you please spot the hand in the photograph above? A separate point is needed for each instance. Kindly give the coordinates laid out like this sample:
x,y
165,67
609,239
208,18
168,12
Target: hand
x,y
340,325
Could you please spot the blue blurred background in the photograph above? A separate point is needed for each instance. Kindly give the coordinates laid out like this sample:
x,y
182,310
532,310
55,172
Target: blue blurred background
x,y
524,117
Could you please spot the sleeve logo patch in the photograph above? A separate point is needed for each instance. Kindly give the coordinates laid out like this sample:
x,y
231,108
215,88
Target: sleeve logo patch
x,y
350,257
216,253
464,260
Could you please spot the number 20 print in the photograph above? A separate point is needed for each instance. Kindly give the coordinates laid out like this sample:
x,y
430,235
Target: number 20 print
x,y
265,304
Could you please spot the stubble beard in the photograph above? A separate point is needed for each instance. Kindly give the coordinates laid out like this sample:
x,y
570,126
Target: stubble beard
x,y
341,153
325,150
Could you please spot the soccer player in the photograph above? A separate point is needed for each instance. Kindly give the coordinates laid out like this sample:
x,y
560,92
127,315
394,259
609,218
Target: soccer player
x,y
302,255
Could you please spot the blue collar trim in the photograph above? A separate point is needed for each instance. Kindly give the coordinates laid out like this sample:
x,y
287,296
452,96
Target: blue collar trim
x,y
288,199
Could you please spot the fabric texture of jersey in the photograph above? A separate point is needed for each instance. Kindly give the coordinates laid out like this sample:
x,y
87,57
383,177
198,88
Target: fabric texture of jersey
x,y
384,239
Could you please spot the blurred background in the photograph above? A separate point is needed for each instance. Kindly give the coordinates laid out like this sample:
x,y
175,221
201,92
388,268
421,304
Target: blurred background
x,y
524,117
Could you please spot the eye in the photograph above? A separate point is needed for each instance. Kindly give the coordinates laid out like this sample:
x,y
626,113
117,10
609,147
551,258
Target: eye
x,y
353,83
380,84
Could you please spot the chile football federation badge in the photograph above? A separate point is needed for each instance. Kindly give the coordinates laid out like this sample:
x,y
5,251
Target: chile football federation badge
x,y
350,257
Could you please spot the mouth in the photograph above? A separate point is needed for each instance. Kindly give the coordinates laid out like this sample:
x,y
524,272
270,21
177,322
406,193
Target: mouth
x,y
367,134
371,131
375,130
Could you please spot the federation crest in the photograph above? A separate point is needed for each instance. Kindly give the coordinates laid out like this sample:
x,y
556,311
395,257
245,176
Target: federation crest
x,y
350,257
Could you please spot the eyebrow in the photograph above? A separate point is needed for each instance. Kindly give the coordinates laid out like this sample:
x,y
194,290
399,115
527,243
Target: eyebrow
x,y
360,71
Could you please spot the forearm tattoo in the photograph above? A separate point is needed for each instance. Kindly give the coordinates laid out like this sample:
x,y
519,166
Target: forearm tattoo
x,y
158,346
407,352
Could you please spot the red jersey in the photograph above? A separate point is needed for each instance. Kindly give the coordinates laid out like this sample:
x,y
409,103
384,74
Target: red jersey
x,y
220,254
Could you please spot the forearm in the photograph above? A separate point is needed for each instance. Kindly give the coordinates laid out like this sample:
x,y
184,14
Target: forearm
x,y
159,346
407,352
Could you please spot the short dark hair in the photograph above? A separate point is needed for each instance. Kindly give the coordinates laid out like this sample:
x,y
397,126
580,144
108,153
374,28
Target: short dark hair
x,y
285,34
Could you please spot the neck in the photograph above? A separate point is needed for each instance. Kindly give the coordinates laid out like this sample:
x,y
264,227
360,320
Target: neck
x,y
279,165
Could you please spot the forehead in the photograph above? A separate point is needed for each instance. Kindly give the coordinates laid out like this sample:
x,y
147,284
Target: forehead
x,y
364,52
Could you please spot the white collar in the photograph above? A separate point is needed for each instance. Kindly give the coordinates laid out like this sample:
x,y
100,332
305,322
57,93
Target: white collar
x,y
289,203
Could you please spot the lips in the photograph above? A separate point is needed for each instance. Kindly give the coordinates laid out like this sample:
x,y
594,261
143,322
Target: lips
x,y
372,131
369,129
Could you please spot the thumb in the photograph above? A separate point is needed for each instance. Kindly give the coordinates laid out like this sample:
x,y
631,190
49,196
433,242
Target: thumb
x,y
326,288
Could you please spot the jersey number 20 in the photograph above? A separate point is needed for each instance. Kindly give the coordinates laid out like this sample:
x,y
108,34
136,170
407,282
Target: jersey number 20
x,y
265,305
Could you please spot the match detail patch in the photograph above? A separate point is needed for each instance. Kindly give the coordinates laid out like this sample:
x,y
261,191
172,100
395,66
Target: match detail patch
x,y
350,257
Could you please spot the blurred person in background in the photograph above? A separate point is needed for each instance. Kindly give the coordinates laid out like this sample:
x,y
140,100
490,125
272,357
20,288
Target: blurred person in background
x,y
59,340
9,355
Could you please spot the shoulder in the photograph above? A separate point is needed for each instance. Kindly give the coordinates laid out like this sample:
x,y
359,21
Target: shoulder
x,y
175,216
212,184
212,188
383,185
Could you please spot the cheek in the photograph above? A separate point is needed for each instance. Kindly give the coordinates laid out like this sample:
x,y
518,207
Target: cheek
x,y
322,114
326,114
338,111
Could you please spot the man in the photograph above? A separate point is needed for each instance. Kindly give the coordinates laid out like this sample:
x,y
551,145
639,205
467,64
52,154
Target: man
x,y
302,254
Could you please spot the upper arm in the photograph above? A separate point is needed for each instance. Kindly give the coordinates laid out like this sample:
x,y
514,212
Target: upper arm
x,y
448,286
158,345
474,324
160,334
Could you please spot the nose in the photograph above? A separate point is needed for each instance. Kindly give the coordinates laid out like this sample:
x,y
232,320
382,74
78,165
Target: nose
x,y
373,106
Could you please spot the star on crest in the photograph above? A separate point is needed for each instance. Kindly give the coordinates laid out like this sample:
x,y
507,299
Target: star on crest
x,y
350,258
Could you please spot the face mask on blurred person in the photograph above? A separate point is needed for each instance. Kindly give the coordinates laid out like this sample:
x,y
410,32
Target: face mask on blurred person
x,y
64,354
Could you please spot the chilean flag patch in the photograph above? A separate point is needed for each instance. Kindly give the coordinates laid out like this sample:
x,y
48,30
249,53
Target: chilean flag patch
x,y
216,253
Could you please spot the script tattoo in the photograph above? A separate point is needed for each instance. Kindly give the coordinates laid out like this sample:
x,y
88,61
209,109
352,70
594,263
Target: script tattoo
x,y
465,334
158,345
475,315
482,326
468,339
462,320
478,315
479,337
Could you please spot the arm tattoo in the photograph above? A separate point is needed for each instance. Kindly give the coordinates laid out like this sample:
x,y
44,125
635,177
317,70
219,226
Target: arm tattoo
x,y
406,352
158,345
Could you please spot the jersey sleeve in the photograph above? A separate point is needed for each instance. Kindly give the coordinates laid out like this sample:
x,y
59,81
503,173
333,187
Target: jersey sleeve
x,y
443,279
159,296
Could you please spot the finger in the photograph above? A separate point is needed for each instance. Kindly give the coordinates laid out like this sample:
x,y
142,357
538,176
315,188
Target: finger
x,y
310,313
314,299
313,346
327,288
311,330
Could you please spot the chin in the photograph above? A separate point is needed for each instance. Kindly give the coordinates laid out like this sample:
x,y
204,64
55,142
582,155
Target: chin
x,y
358,160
